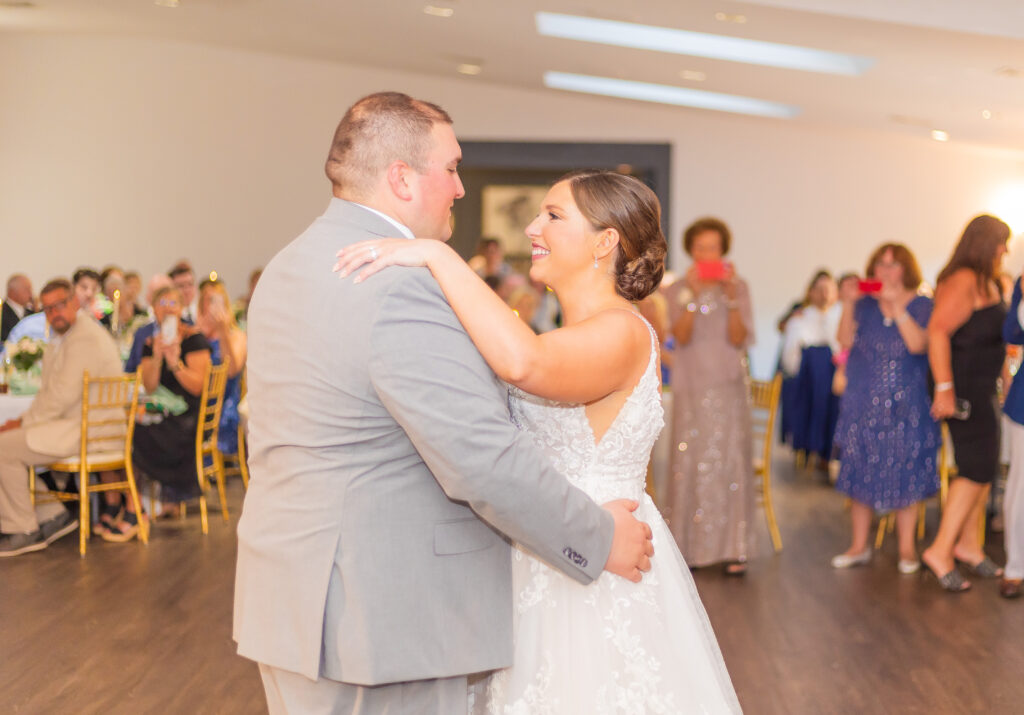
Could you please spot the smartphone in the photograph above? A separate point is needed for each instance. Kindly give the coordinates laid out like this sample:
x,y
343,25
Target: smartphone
x,y
169,329
217,300
711,270
869,286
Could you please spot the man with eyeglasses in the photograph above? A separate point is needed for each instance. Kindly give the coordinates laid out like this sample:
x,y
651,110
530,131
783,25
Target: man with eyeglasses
x,y
51,427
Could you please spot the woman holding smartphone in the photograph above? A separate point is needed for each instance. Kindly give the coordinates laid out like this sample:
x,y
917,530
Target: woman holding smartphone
x,y
174,361
887,438
710,498
966,353
227,346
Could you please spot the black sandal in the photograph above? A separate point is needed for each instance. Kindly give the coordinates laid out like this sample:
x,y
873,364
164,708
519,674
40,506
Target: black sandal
x,y
950,581
108,517
986,568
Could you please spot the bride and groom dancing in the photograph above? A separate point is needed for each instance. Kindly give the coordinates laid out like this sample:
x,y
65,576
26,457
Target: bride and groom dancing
x,y
391,469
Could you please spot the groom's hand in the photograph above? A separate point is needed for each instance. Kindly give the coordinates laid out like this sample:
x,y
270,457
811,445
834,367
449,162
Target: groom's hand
x,y
631,546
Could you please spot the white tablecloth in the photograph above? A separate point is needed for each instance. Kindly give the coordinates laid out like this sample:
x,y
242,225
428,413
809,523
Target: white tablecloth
x,y
11,406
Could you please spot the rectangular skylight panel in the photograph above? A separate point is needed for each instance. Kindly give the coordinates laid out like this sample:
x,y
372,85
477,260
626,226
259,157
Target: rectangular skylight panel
x,y
667,94
699,44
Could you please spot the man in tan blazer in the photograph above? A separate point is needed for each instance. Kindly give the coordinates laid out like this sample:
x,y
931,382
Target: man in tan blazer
x,y
51,426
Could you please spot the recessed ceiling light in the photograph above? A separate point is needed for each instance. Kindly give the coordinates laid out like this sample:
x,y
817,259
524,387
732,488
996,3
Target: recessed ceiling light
x,y
469,69
693,75
729,17
986,114
699,44
439,11
667,94
940,136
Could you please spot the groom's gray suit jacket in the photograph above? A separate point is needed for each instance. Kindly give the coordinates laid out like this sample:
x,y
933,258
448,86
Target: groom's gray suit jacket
x,y
384,466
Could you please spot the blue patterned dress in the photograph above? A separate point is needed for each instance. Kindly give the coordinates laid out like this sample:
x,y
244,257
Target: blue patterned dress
x,y
888,441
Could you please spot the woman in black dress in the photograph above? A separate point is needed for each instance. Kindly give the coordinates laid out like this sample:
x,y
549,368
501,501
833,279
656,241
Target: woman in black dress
x,y
966,353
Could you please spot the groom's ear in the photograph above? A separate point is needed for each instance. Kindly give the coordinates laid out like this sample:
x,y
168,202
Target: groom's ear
x,y
400,180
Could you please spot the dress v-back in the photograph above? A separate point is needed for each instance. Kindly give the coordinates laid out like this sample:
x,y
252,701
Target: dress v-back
x,y
612,646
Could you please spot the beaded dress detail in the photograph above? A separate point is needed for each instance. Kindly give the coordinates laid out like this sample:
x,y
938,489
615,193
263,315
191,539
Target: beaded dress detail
x,y
612,646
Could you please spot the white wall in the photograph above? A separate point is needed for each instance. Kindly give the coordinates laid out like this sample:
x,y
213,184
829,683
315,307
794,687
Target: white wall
x,y
139,152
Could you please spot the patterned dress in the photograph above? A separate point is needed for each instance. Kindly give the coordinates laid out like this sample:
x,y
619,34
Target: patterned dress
x,y
888,442
709,503
612,646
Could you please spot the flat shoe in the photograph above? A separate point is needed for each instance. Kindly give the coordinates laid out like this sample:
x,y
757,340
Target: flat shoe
x,y
1010,587
908,567
845,561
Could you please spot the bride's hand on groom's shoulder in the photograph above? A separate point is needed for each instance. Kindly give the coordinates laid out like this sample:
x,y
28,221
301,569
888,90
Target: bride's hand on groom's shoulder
x,y
378,254
632,548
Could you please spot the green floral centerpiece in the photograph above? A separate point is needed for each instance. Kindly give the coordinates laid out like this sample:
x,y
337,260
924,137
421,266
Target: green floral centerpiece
x,y
26,353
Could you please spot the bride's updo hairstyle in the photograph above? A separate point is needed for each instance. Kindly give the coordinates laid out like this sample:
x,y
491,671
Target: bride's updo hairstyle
x,y
608,199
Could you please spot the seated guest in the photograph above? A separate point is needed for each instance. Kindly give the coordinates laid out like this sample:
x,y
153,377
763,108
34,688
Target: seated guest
x,y
185,279
87,286
50,429
241,307
143,334
227,346
17,304
165,449
133,290
113,282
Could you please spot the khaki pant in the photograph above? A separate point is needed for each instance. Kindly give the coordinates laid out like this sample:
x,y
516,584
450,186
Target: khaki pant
x,y
16,513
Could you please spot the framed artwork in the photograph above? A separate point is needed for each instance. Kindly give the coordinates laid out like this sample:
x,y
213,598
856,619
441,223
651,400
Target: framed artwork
x,y
506,211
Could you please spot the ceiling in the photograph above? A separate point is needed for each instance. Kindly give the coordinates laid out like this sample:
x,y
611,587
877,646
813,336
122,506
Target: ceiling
x,y
953,65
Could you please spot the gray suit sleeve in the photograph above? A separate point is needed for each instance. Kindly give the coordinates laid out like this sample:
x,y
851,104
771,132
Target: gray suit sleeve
x,y
436,385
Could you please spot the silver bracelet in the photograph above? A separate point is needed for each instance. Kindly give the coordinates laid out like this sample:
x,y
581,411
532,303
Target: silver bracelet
x,y
943,386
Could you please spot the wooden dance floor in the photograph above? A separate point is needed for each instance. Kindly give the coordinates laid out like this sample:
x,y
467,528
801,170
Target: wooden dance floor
x,y
134,629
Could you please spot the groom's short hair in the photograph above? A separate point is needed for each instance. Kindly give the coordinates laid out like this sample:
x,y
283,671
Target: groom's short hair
x,y
377,130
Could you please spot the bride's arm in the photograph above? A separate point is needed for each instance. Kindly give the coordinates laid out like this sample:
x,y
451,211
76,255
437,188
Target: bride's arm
x,y
580,363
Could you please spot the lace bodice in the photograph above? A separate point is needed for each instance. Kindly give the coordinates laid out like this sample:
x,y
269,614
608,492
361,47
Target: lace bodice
x,y
614,467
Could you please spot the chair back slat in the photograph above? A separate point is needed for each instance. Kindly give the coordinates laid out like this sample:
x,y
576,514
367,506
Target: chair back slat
x,y
211,402
109,406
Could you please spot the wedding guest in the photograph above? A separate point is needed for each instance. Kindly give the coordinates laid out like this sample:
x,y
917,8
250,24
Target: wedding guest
x,y
490,259
548,315
1013,499
227,346
807,353
524,301
17,304
887,439
143,334
241,307
112,279
165,450
966,353
133,290
31,326
710,495
185,279
87,286
51,427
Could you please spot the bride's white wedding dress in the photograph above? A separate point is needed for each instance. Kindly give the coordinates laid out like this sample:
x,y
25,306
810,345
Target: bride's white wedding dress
x,y
613,646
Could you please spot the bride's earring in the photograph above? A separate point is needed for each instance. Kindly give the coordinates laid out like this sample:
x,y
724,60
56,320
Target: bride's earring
x,y
595,262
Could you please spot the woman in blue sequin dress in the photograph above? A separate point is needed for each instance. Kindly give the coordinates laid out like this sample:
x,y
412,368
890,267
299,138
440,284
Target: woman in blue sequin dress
x,y
887,438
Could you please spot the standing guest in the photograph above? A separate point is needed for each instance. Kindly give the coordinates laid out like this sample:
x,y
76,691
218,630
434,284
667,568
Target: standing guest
x,y
17,304
710,496
143,334
886,436
227,346
807,352
165,450
185,279
51,427
1013,500
87,286
490,260
966,353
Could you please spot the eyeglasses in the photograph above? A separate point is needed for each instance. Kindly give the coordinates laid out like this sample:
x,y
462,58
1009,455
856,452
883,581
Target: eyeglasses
x,y
167,303
55,307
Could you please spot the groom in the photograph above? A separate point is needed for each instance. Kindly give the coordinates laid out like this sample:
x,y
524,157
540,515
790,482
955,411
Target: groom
x,y
373,575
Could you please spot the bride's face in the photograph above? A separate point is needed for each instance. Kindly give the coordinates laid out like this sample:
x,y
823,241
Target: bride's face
x,y
562,239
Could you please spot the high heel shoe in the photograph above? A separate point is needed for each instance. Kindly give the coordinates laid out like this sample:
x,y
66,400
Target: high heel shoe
x,y
845,561
950,581
986,568
908,566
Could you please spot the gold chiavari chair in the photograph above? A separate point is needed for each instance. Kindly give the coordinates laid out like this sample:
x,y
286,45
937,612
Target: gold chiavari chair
x,y
236,463
764,402
109,407
208,458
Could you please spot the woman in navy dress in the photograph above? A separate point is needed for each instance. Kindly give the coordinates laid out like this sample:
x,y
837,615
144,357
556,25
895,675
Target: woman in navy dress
x,y
887,438
227,346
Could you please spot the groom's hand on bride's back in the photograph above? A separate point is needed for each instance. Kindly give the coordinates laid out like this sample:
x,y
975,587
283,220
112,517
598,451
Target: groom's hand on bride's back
x,y
632,548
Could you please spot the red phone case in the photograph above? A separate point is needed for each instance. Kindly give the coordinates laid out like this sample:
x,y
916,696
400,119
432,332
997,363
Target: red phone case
x,y
710,270
869,286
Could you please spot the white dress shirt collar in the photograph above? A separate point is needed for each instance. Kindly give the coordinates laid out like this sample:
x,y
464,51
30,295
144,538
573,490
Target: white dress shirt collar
x,y
404,230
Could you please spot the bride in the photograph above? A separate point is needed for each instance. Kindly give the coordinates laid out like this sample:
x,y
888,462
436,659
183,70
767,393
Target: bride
x,y
588,394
